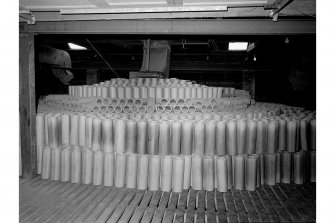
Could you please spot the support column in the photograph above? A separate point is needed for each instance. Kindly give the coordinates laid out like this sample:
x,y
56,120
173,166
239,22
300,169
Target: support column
x,y
92,76
248,82
27,103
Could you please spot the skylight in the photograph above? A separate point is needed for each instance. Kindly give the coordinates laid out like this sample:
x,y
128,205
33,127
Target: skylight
x,y
76,47
238,46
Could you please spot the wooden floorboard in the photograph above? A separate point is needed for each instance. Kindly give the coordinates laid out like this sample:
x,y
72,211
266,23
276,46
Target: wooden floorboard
x,y
55,201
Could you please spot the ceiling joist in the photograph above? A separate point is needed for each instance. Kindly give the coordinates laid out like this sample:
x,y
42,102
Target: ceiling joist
x,y
145,10
100,3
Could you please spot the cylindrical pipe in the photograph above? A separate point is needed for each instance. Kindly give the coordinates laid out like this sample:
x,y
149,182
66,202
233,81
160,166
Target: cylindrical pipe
x,y
262,167
278,172
112,92
178,174
74,133
208,173
313,134
222,174
53,132
251,137
55,164
174,92
186,137
272,137
210,127
88,130
312,166
204,92
291,135
164,138
46,163
98,167
199,138
166,92
131,170
154,172
96,134
120,92
131,136
109,168
120,170
230,167
282,135
40,129
99,91
187,171
76,166
270,169
181,92
241,136
159,94
153,134
166,173
286,161
199,93
251,173
87,166
175,137
65,165
65,129
261,137
120,136
197,172
128,92
231,138
107,137
239,176
303,135
81,129
141,137
142,174
298,167
220,138
39,159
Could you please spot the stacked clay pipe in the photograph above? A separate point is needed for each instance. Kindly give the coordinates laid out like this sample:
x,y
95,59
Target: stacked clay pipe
x,y
137,105
264,143
144,88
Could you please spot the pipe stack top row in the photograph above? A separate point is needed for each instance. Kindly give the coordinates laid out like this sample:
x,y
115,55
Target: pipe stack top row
x,y
150,87
138,105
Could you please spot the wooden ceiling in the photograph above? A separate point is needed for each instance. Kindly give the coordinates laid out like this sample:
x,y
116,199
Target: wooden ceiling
x,y
70,10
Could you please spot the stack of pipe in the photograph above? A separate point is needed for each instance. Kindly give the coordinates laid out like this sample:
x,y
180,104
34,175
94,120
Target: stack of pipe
x,y
138,105
149,87
263,144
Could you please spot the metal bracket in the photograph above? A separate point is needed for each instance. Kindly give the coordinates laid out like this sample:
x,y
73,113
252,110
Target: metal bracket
x,y
276,7
28,16
274,16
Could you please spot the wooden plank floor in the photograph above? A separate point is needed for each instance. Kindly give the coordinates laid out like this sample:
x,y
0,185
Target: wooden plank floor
x,y
55,201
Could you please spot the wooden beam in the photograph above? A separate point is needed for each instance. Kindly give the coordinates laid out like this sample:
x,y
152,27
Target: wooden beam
x,y
27,105
145,10
100,3
307,8
174,2
180,26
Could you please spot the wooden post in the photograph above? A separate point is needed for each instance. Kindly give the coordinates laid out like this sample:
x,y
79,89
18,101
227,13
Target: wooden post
x,y
92,76
27,105
249,82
